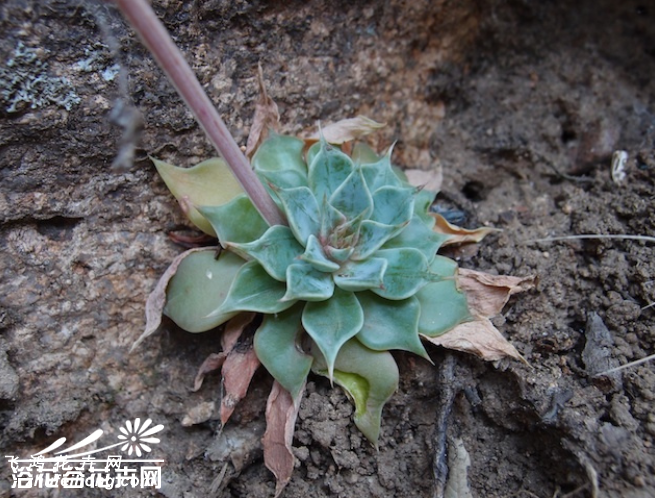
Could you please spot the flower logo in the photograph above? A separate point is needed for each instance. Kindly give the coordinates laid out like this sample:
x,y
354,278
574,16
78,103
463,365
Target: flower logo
x,y
136,435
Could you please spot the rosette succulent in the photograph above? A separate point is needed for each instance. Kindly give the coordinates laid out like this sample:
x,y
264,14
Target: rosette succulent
x,y
354,275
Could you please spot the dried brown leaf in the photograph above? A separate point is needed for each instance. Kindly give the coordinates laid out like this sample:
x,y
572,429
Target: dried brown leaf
x,y
157,298
347,130
486,294
238,369
478,337
429,180
459,235
281,413
233,330
266,117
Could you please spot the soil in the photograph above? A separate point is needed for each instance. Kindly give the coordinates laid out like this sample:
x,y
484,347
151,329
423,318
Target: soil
x,y
521,103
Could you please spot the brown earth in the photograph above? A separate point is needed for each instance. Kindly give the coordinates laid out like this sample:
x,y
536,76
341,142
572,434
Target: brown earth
x,y
522,103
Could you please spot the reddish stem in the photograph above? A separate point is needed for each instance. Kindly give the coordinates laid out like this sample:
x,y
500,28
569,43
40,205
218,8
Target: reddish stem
x,y
154,35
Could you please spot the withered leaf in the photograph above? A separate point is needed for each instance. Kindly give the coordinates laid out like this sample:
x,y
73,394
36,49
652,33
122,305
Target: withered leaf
x,y
157,298
238,369
281,413
233,330
486,294
266,117
478,337
459,235
429,180
347,130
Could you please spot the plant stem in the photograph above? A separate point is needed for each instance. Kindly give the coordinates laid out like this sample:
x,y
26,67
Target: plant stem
x,y
155,37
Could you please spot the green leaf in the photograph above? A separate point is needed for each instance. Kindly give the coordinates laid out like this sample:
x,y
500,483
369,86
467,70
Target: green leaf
x,y
419,236
352,198
363,154
372,236
390,324
363,275
369,377
277,347
302,212
331,323
199,288
255,290
235,222
422,203
210,183
304,282
393,205
406,273
381,174
275,251
442,305
279,160
328,170
315,256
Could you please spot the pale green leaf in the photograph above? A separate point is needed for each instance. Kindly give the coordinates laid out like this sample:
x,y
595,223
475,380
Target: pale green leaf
x,y
443,306
369,377
361,275
393,205
255,290
275,251
210,183
315,256
419,236
381,174
199,288
306,283
279,160
363,154
352,198
407,272
277,344
331,323
302,212
328,170
390,324
238,221
372,236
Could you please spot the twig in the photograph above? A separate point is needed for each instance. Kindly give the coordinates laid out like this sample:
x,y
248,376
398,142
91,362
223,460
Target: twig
x,y
643,238
154,35
627,365
450,388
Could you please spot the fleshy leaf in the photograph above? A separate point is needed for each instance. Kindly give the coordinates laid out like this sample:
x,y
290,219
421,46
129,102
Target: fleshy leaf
x,y
347,130
315,256
199,288
331,323
372,236
359,276
390,324
277,346
363,154
422,203
254,290
210,183
406,273
341,254
381,174
393,205
369,377
352,198
238,221
328,170
281,414
304,282
457,235
418,235
279,160
302,211
275,251
442,304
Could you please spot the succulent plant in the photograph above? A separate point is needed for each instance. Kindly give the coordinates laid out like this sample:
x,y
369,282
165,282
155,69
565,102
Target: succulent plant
x,y
354,275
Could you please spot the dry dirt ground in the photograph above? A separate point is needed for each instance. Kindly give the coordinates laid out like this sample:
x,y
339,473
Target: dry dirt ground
x,y
522,104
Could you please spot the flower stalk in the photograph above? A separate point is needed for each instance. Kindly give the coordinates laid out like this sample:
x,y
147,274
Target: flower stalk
x,y
156,38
